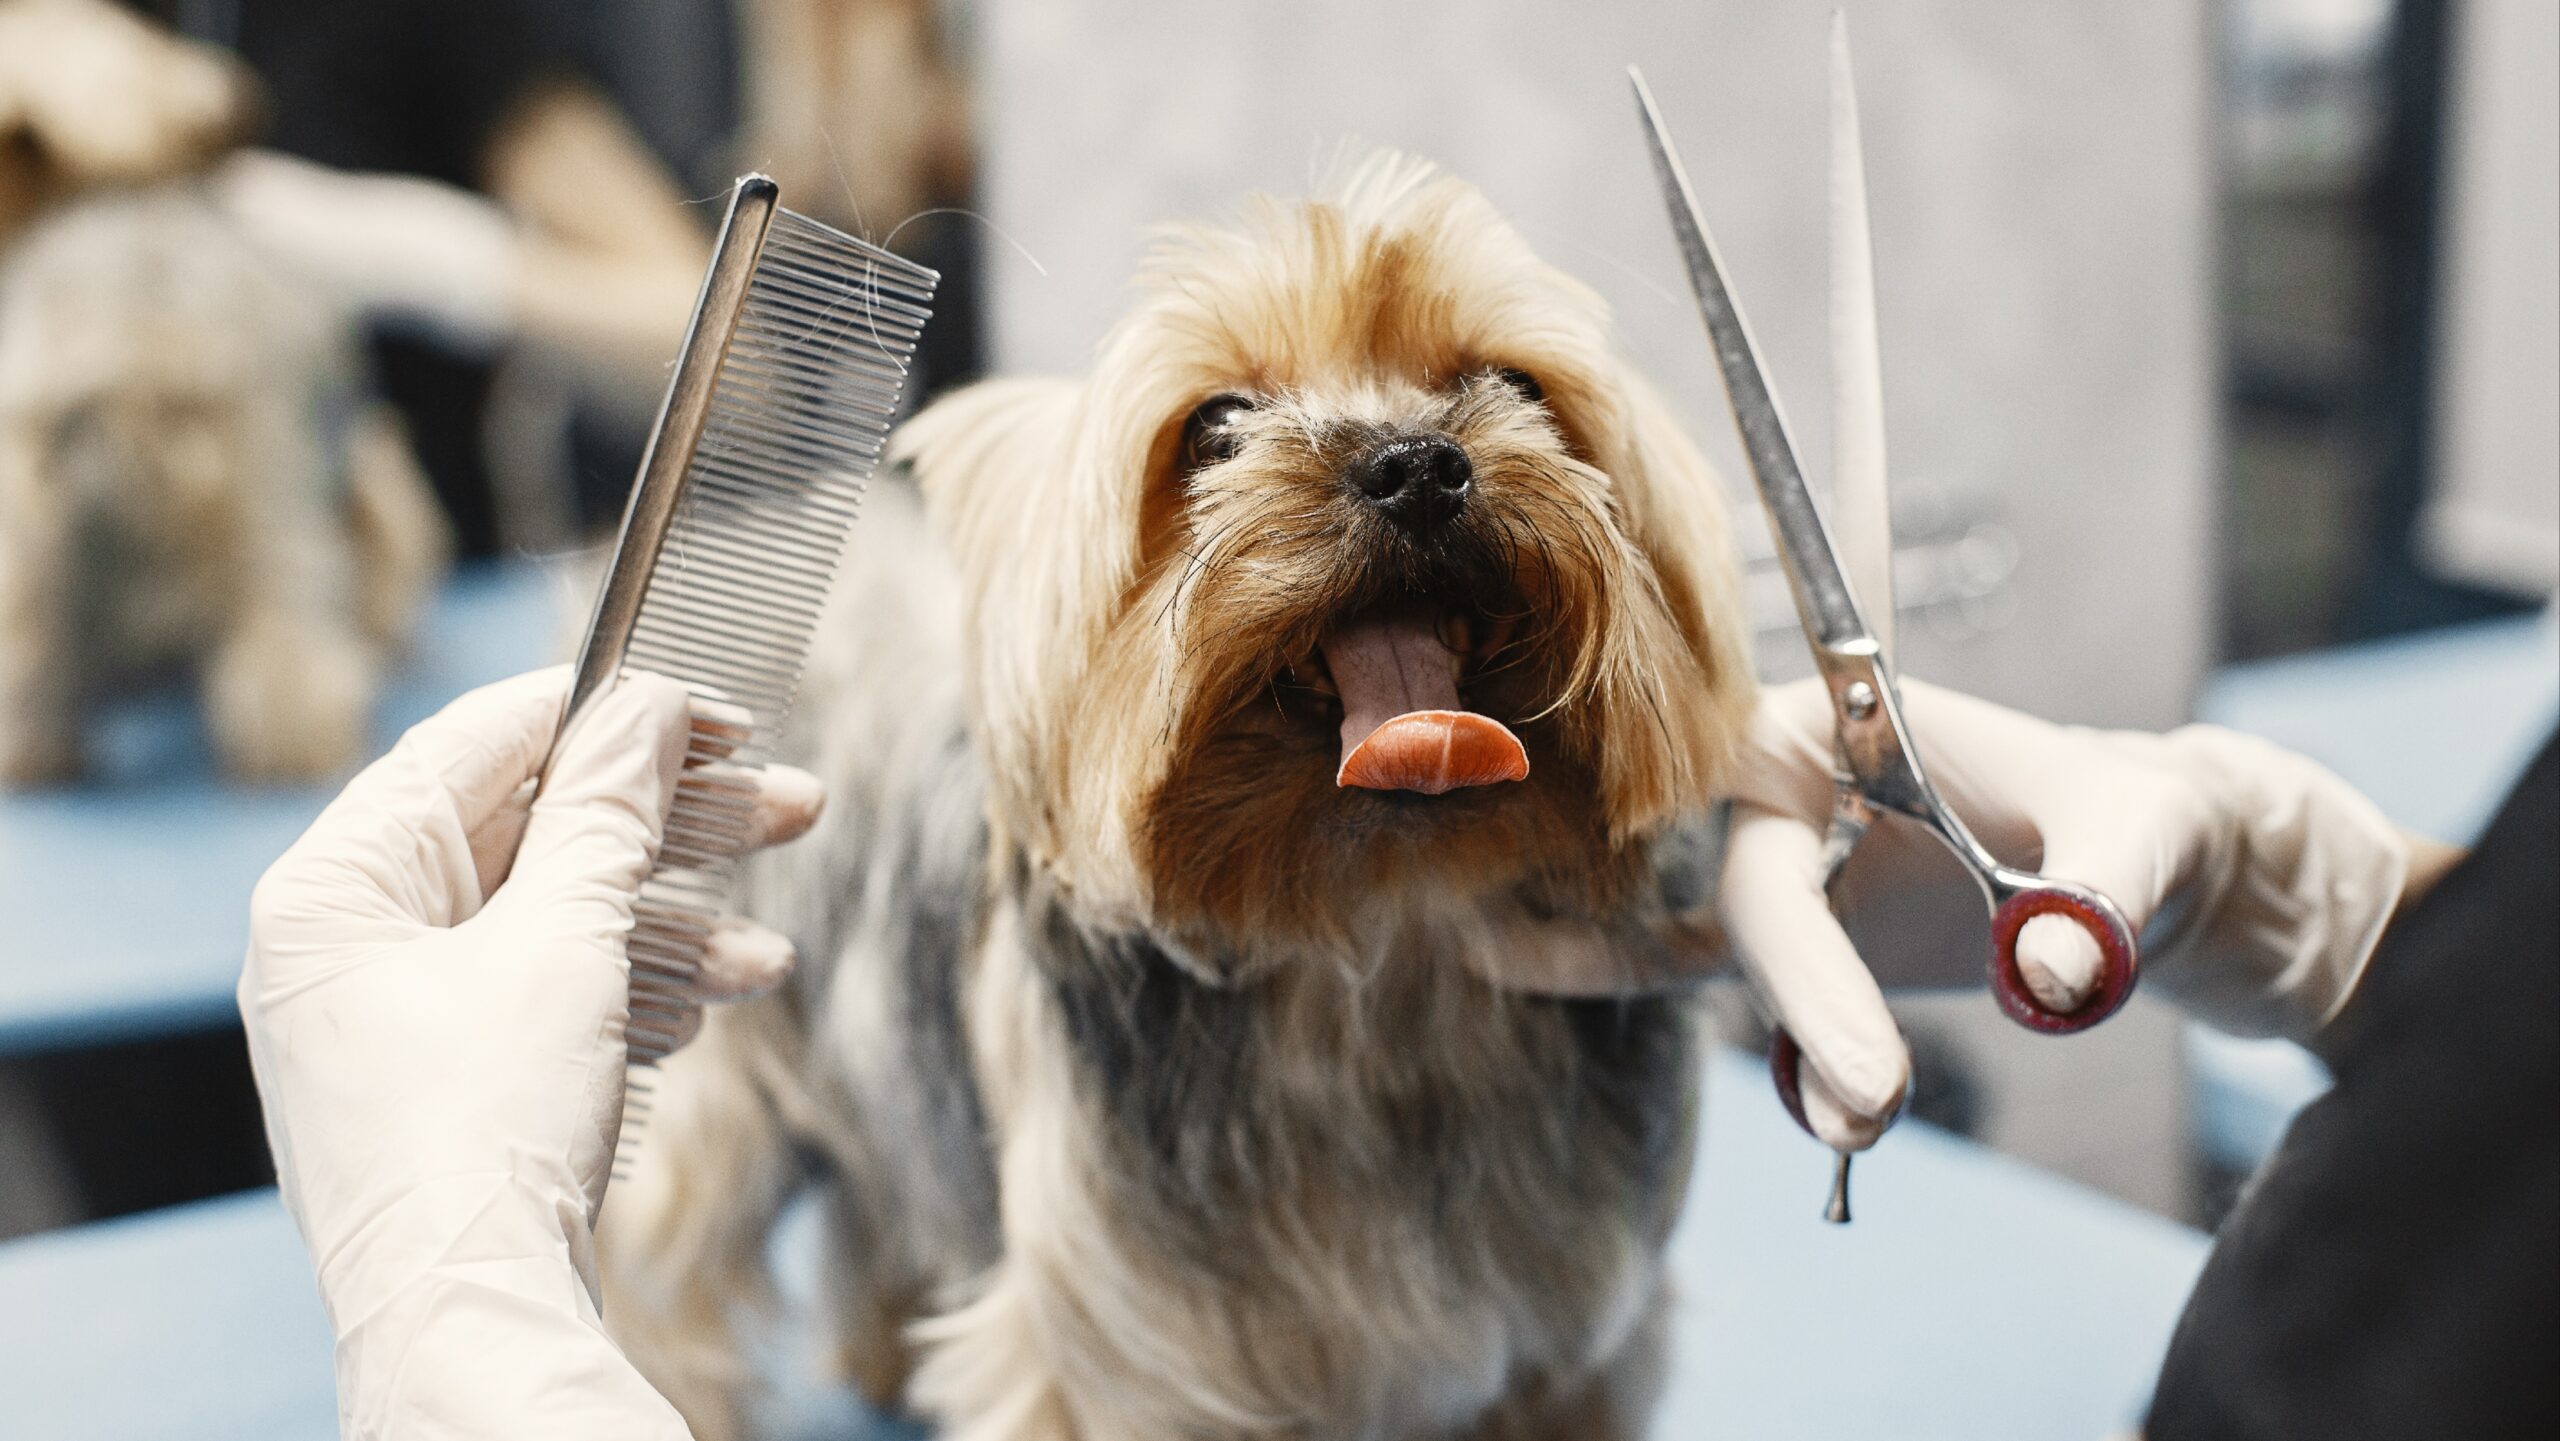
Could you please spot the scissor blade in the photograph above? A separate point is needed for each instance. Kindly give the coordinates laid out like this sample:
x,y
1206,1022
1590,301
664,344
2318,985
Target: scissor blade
x,y
1861,499
1822,595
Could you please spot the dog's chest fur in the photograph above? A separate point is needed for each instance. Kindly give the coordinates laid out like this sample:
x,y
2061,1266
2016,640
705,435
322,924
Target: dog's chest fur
x,y
1391,1191
1369,1207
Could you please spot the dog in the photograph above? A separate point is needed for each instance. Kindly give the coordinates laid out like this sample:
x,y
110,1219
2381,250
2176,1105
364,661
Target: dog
x,y
1165,1063
192,478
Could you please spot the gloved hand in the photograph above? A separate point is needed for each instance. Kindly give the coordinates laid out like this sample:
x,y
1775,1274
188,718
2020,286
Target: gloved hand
x,y
395,248
435,1018
2257,881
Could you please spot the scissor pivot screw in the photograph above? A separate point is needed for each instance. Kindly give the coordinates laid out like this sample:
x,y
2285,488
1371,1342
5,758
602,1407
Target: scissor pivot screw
x,y
1859,700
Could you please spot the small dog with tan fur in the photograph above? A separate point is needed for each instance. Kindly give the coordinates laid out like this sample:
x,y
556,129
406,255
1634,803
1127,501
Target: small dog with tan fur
x,y
1240,973
193,480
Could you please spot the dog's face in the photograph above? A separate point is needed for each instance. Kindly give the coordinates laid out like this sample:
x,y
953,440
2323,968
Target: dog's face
x,y
1358,516
157,377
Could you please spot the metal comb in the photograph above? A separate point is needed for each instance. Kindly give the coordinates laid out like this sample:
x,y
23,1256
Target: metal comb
x,y
790,375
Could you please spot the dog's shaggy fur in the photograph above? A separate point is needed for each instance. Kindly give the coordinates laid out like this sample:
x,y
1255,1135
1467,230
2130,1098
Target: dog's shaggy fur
x,y
192,478
1155,1085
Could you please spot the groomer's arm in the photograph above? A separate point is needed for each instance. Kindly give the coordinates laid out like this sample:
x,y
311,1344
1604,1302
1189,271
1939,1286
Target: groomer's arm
x,y
604,307
2258,881
434,995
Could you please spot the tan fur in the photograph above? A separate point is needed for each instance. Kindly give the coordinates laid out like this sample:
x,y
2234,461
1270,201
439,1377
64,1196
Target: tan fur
x,y
856,108
92,96
190,477
1170,1090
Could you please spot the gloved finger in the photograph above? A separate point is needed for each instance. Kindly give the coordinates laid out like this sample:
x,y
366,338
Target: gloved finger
x,y
596,827
1798,959
397,844
2128,843
789,801
1840,1125
785,801
742,959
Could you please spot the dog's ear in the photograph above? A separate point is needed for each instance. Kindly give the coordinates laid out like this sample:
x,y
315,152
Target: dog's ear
x,y
994,462
92,95
1673,508
1040,553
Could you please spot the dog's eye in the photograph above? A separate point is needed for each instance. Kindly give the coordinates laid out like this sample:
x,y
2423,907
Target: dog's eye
x,y
1523,382
1209,436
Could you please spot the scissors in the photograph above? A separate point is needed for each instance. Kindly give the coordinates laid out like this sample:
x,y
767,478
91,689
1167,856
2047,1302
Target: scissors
x,y
1874,760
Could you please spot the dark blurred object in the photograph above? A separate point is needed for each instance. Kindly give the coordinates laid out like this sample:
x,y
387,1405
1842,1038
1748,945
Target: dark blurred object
x,y
860,109
2335,146
150,1123
1946,1090
438,88
2395,1270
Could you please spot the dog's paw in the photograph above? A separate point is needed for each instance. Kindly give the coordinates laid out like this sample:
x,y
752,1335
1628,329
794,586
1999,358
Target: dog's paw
x,y
289,703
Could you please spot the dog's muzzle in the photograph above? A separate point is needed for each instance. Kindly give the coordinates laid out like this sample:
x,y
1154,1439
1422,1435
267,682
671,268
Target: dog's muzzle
x,y
1418,482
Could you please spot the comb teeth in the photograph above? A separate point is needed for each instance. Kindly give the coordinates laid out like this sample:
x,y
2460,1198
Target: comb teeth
x,y
816,353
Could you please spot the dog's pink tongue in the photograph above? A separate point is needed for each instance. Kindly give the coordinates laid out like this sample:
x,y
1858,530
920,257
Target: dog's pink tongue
x,y
1402,727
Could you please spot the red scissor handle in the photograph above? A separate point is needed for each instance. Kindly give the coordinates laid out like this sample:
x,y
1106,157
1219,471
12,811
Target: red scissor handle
x,y
2093,914
1786,1073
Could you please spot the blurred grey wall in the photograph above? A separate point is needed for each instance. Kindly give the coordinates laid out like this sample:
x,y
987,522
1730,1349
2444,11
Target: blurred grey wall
x,y
2495,515
2040,177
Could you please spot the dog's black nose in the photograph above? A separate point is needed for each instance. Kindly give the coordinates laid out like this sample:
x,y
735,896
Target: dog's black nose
x,y
1418,481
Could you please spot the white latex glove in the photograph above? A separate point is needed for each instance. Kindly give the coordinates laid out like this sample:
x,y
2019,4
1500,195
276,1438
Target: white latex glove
x,y
412,252
435,1019
2257,881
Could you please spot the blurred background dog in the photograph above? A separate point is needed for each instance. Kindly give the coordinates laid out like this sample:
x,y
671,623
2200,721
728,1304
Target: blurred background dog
x,y
192,477
1161,1083
166,499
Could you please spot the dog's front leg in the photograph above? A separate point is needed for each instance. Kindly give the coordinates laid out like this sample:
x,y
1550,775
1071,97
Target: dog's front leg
x,y
39,689
287,696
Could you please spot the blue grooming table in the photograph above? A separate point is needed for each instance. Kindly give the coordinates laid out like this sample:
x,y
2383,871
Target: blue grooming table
x,y
2435,727
1974,1299
128,898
